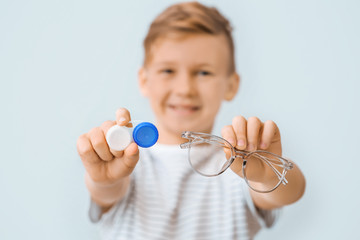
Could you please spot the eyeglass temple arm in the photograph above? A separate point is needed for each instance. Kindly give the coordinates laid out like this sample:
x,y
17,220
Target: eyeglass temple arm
x,y
198,140
281,176
185,145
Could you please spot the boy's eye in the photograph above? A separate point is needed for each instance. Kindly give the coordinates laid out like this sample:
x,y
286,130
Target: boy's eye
x,y
204,73
167,71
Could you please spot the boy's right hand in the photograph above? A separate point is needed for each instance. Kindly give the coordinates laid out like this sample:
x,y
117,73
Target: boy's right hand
x,y
103,164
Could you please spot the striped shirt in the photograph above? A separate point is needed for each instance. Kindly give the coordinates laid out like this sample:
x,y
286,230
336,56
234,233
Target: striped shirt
x,y
166,199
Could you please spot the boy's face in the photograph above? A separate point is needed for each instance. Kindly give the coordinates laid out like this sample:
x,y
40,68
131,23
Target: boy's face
x,y
186,81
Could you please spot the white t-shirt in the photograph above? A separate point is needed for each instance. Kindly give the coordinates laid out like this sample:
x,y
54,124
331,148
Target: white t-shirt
x,y
167,199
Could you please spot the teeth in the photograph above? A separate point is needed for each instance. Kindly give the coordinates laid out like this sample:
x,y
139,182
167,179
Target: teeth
x,y
181,107
184,108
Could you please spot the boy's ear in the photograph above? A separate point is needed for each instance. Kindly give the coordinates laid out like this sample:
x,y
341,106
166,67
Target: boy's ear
x,y
142,81
233,86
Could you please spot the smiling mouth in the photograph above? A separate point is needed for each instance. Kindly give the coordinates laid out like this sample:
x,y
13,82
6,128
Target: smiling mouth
x,y
184,109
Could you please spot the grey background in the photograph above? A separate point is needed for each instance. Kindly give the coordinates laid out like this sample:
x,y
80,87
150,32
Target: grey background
x,y
66,66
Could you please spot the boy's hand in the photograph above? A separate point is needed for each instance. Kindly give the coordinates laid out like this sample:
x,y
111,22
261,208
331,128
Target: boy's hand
x,y
250,135
103,164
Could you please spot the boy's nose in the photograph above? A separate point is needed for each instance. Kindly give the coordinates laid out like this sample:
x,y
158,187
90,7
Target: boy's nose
x,y
185,85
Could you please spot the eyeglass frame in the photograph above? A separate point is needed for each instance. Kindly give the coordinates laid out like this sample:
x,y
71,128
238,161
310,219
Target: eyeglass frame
x,y
286,164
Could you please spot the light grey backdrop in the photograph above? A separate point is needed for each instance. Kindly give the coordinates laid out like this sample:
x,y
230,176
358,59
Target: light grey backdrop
x,y
66,66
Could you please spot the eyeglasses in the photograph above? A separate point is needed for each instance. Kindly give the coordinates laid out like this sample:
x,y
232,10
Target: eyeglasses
x,y
210,155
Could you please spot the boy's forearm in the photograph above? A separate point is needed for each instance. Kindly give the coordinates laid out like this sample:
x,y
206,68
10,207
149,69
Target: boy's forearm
x,y
284,194
106,195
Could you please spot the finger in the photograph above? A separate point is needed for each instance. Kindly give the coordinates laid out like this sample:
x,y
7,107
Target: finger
x,y
105,128
122,167
268,134
253,133
239,126
85,150
123,117
99,144
228,134
131,154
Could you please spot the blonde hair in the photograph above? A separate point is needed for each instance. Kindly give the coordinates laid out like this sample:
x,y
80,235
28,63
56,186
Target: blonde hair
x,y
188,18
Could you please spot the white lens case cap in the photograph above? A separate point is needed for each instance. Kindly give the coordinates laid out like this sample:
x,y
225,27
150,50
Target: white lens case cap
x,y
119,137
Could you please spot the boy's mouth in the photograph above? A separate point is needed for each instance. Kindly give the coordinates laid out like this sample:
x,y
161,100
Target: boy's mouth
x,y
183,110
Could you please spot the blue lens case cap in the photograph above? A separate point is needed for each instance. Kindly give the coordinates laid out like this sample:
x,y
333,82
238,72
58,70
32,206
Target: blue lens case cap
x,y
145,134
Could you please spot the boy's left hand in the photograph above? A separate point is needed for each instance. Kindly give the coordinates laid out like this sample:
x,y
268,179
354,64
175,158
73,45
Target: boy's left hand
x,y
250,135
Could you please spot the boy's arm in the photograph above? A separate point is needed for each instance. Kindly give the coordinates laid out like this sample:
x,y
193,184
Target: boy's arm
x,y
106,195
284,194
107,171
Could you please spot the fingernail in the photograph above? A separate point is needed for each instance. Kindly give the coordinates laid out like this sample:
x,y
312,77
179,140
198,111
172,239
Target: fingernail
x,y
263,145
241,143
121,120
232,141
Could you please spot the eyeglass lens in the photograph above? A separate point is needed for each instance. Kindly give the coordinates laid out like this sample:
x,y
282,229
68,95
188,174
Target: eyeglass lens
x,y
261,172
209,159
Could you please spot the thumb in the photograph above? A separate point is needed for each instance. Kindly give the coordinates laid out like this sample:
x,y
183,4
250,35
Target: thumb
x,y
123,166
131,156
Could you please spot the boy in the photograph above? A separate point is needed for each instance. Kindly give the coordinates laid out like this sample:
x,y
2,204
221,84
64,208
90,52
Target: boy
x,y
153,193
